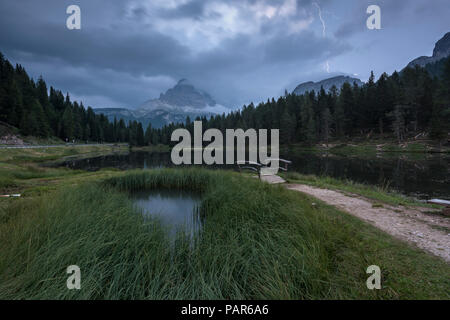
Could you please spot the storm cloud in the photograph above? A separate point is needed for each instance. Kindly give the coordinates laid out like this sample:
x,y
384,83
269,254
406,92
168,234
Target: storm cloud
x,y
238,50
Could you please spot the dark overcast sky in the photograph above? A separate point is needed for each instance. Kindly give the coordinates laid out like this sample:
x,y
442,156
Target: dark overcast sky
x,y
238,50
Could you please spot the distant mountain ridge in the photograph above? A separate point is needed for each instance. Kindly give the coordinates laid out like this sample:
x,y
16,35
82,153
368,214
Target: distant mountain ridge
x,y
441,50
118,113
327,84
173,106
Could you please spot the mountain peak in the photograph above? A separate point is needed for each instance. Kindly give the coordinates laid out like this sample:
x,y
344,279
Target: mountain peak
x,y
327,84
185,94
442,47
183,82
441,50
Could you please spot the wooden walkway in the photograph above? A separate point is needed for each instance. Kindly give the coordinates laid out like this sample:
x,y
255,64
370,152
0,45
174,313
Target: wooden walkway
x,y
273,179
264,170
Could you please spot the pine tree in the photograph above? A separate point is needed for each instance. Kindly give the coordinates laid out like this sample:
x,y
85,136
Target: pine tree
x,y
148,134
384,102
326,123
140,139
67,128
14,105
287,128
440,119
398,121
346,104
43,128
307,121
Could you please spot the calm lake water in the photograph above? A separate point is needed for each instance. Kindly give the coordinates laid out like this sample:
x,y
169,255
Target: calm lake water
x,y
427,177
176,209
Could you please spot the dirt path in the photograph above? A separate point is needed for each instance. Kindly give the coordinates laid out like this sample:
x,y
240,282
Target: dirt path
x,y
427,231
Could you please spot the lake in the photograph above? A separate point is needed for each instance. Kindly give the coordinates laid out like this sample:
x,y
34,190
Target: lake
x,y
176,209
423,178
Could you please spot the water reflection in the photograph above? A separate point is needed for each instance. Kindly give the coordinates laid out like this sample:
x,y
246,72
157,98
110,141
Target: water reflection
x,y
423,178
176,209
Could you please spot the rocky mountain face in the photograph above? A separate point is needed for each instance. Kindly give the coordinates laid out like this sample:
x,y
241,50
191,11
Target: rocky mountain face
x,y
327,84
185,94
173,106
441,50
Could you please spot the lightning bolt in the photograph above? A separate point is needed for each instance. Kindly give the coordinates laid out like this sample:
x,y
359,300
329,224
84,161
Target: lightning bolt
x,y
324,28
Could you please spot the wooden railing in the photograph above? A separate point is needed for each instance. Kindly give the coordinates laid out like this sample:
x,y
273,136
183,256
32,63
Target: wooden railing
x,y
258,167
286,163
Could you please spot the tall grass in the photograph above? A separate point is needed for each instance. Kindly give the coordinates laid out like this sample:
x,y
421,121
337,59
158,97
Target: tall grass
x,y
258,242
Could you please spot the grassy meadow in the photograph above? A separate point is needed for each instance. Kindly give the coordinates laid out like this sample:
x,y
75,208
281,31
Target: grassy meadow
x,y
21,170
258,242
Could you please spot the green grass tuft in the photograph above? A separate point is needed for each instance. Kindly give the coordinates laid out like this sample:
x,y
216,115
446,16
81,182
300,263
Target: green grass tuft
x,y
258,242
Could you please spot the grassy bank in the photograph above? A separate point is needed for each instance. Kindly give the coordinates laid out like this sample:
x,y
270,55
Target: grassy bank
x,y
259,241
158,148
34,155
21,170
370,148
